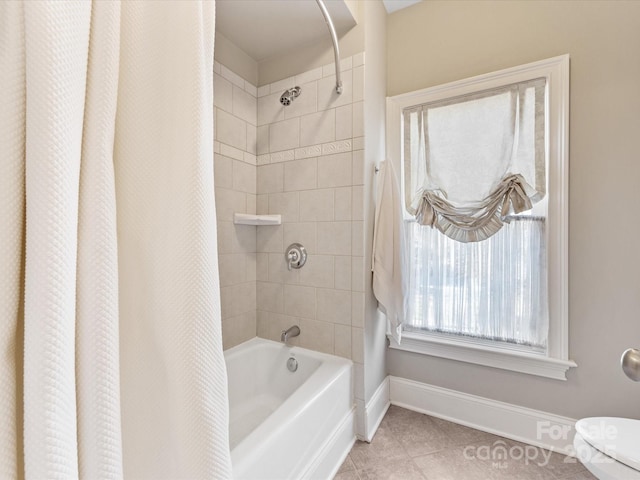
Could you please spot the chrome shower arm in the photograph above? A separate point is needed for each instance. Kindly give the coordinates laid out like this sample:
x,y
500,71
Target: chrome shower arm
x,y
334,39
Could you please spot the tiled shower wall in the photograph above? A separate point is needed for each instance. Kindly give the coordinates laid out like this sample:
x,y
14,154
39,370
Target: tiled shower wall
x,y
235,186
310,170
304,162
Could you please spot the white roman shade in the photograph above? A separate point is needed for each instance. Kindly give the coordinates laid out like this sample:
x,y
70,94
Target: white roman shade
x,y
472,160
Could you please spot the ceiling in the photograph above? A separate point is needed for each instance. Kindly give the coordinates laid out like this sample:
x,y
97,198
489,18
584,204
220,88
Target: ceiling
x,y
266,28
395,5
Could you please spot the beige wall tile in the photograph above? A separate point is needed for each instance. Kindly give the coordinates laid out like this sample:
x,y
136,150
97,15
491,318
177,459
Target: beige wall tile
x,y
270,178
278,271
342,267
358,84
244,177
244,105
334,170
358,167
252,140
232,76
281,85
344,122
300,301
327,96
334,238
225,237
357,309
250,267
251,88
317,271
232,152
231,130
284,135
342,340
342,199
301,174
317,128
357,345
316,335
357,204
244,238
223,93
357,239
238,299
270,297
307,101
222,171
262,267
250,158
357,274
262,140
317,205
264,90
309,76
270,109
334,306
262,204
285,204
251,203
358,119
262,323
303,233
232,269
269,239
238,329
228,202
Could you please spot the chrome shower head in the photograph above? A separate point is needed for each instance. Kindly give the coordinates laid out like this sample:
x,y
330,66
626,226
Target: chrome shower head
x,y
290,95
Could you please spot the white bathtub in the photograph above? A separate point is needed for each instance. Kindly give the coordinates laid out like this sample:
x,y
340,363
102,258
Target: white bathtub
x,y
286,425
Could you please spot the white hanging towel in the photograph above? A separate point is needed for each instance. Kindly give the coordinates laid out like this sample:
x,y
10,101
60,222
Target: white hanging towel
x,y
387,261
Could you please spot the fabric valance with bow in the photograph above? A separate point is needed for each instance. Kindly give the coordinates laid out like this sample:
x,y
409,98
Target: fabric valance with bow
x,y
471,161
479,221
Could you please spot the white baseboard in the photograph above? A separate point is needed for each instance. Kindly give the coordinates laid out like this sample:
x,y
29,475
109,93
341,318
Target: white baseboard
x,y
523,424
334,451
376,409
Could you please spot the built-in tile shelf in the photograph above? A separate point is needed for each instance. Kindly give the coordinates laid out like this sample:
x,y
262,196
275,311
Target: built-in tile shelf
x,y
248,219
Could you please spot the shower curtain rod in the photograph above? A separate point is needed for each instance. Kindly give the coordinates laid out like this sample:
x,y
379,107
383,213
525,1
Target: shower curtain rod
x,y
334,39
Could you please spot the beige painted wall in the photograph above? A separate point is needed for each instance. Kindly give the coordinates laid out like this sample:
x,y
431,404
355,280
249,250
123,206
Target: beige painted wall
x,y
375,17
440,41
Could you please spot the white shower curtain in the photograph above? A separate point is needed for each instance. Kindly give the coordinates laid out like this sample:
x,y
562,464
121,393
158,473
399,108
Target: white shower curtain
x,y
110,344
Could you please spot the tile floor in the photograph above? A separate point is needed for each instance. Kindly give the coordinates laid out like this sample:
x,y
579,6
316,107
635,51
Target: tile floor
x,y
413,446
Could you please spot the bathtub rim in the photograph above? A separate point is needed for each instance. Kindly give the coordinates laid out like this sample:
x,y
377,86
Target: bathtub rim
x,y
331,370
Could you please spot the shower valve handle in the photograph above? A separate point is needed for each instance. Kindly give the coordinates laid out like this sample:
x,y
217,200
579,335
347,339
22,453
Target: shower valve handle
x,y
296,256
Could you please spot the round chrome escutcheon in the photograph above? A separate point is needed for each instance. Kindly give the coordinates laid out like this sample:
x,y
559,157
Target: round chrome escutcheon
x,y
292,364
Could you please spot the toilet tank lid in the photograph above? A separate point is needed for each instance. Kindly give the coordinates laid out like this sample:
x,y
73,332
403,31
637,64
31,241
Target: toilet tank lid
x,y
616,437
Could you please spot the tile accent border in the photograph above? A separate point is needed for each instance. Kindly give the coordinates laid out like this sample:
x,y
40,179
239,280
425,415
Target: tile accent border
x,y
522,424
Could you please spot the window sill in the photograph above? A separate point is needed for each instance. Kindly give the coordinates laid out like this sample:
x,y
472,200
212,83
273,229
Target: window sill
x,y
505,359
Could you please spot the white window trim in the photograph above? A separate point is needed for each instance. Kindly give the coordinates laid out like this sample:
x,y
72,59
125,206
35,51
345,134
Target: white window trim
x,y
556,361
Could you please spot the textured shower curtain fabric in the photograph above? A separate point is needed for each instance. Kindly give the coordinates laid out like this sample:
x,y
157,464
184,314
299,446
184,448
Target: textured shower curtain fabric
x,y
111,355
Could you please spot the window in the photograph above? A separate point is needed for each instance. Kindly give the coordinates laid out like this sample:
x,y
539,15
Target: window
x,y
484,177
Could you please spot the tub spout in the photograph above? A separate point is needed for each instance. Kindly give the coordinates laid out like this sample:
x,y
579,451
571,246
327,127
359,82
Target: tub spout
x,y
288,333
